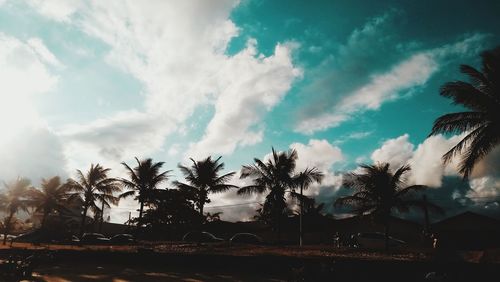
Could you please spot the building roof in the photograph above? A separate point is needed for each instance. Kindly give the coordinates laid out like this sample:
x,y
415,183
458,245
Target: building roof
x,y
468,221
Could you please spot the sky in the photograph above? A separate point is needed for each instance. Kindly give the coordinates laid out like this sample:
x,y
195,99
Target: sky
x,y
342,82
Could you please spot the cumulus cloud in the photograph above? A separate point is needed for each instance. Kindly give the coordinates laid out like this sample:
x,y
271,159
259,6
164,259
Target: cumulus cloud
x,y
183,66
28,147
396,151
258,91
428,168
425,160
177,50
427,163
322,155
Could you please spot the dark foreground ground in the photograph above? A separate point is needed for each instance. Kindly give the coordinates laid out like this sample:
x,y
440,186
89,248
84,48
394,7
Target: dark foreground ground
x,y
187,262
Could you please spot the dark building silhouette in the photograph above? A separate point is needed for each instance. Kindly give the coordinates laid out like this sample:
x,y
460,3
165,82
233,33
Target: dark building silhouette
x,y
468,230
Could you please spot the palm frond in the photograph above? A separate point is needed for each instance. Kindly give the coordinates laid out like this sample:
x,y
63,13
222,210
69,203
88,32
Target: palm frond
x,y
458,122
251,189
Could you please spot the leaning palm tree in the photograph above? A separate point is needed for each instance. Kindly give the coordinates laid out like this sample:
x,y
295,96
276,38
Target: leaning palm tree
x,y
378,191
304,180
143,179
276,176
203,179
482,122
90,188
52,197
15,198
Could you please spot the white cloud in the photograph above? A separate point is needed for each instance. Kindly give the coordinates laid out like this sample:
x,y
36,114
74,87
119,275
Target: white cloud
x,y
401,79
253,87
324,121
116,138
317,153
353,136
427,164
177,50
58,10
28,147
322,155
425,161
485,189
45,55
396,151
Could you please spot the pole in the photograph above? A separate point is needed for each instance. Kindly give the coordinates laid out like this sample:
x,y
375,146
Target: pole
x,y
301,212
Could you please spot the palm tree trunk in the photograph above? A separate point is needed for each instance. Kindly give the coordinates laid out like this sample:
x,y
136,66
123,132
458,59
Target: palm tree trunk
x,y
139,222
387,235
102,217
84,216
279,229
44,219
301,213
7,228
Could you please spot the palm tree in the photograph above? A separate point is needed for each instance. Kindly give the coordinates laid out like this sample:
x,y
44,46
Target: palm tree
x,y
305,179
482,122
378,191
92,187
107,199
14,199
203,178
276,176
143,178
52,197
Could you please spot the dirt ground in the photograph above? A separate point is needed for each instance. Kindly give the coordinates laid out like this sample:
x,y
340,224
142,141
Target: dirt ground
x,y
115,273
311,251
175,261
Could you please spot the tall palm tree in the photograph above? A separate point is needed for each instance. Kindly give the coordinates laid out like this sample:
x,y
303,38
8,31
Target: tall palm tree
x,y
304,180
91,187
15,198
52,197
204,178
276,176
482,122
378,191
143,178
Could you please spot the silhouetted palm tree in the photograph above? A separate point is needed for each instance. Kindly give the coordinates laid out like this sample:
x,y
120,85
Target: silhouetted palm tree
x,y
52,197
203,178
92,187
276,176
107,200
482,122
378,191
15,198
143,178
304,180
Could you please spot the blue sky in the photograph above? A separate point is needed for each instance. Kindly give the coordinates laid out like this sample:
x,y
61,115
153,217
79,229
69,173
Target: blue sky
x,y
343,82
